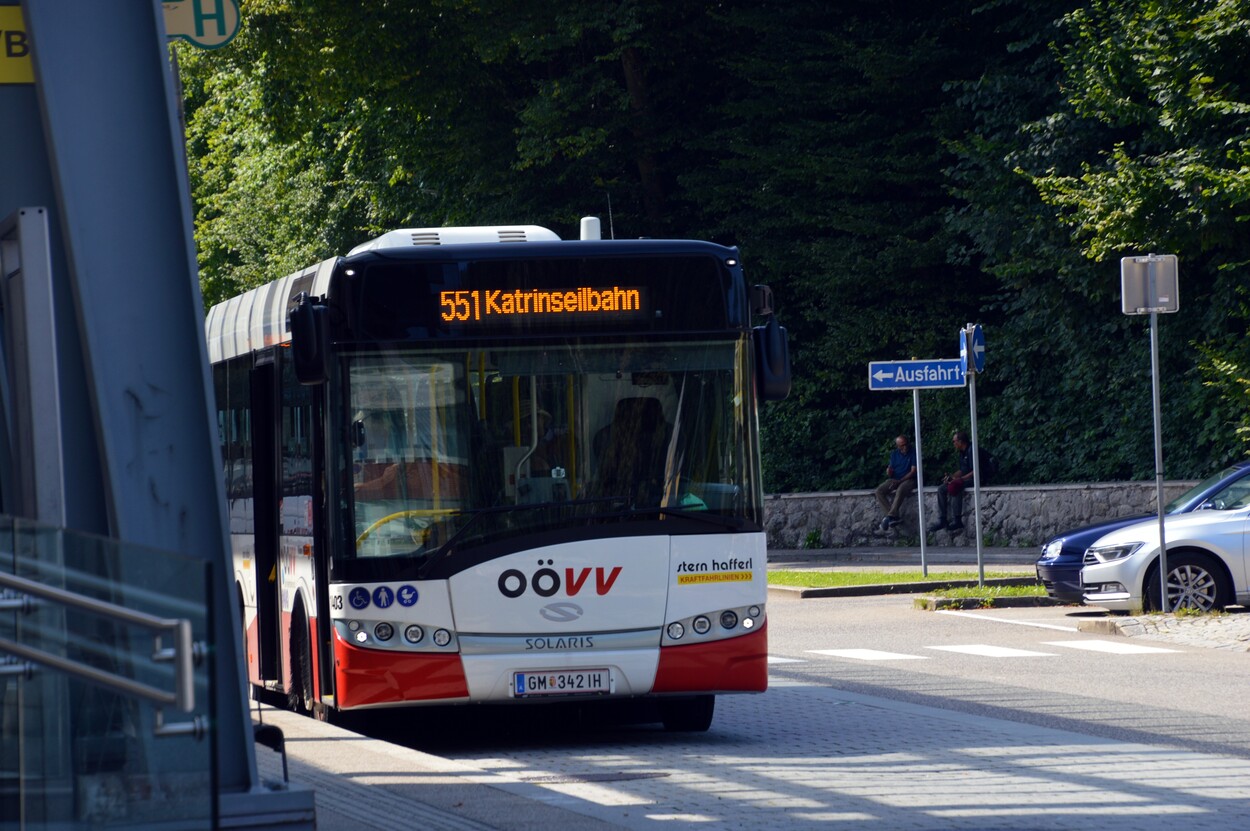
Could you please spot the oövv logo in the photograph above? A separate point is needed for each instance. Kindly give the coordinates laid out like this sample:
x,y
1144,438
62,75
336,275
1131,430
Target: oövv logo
x,y
547,581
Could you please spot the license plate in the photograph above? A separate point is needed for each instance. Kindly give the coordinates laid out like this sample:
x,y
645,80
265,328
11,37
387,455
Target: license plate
x,y
561,682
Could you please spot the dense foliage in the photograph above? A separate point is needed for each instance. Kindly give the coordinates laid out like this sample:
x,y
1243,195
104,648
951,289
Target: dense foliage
x,y
894,170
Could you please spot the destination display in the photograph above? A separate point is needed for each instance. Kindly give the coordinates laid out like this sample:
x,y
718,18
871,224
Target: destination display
x,y
487,305
407,300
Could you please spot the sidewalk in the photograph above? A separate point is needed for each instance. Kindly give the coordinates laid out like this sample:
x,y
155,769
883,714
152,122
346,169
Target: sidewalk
x,y
1011,559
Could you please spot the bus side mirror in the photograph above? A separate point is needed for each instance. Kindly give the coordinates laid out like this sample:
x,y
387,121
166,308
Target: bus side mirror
x,y
310,341
772,360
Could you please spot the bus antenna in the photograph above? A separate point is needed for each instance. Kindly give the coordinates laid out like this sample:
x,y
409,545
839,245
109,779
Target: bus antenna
x,y
611,229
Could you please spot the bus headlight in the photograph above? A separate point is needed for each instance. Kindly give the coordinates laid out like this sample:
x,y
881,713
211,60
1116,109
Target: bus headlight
x,y
701,625
362,636
384,631
676,631
414,634
441,637
729,618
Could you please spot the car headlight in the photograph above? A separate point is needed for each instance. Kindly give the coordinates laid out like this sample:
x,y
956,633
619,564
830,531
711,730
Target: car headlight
x,y
1051,549
1111,553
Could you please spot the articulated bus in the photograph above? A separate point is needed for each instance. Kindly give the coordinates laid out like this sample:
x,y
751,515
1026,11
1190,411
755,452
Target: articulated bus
x,y
484,464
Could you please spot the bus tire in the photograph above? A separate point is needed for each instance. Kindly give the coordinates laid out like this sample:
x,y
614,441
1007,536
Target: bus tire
x,y
299,696
687,715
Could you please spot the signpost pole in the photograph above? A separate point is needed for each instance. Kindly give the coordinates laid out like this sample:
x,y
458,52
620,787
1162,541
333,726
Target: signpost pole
x,y
1154,384
1151,284
976,460
976,475
916,375
915,405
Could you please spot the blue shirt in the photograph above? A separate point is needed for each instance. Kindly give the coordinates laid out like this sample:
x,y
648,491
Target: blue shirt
x,y
901,463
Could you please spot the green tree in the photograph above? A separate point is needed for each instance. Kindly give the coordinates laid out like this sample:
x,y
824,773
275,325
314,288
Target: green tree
x,y
828,171
1166,82
1074,400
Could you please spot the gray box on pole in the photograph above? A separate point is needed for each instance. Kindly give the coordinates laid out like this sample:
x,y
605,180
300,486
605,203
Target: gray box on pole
x,y
1149,284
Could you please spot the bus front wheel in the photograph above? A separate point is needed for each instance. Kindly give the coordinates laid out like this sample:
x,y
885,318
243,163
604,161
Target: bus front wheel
x,y
687,715
300,695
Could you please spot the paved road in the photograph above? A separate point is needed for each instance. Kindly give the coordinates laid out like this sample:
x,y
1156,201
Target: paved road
x,y
808,753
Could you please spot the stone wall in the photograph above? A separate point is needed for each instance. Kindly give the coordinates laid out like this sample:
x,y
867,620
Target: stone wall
x,y
1013,516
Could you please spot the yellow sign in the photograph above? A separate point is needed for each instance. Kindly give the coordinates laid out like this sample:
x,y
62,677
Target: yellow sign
x,y
714,577
15,63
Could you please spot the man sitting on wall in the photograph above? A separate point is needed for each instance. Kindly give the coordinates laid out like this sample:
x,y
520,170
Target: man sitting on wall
x,y
953,485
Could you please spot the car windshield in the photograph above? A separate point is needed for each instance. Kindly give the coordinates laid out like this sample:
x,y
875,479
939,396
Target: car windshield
x,y
1236,495
1187,500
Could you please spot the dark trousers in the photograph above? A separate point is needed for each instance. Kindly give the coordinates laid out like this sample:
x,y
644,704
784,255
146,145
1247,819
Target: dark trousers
x,y
952,493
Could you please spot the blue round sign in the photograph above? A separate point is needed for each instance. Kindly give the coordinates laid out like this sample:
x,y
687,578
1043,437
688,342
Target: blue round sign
x,y
359,598
406,595
974,362
383,597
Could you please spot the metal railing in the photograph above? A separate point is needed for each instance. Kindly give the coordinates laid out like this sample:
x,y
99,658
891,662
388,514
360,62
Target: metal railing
x,y
185,653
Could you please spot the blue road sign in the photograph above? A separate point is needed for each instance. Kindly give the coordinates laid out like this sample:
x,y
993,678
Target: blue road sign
x,y
977,349
911,375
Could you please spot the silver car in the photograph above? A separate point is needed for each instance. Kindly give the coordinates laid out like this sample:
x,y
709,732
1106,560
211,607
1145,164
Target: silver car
x,y
1207,559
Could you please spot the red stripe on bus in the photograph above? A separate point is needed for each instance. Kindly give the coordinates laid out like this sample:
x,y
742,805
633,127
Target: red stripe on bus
x,y
729,665
372,676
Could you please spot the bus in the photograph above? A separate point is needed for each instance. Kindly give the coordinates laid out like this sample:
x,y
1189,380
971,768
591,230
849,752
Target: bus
x,y
485,464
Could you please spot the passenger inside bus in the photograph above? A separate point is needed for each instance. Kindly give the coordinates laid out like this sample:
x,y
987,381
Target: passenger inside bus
x,y
631,452
379,440
387,468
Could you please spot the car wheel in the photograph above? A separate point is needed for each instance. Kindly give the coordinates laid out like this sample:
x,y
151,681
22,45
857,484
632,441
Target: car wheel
x,y
1195,583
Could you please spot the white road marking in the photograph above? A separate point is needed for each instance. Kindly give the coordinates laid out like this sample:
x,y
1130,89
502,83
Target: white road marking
x,y
866,654
988,651
777,659
1004,620
1114,647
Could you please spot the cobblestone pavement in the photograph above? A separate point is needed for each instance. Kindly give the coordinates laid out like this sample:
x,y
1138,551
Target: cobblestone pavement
x,y
1229,630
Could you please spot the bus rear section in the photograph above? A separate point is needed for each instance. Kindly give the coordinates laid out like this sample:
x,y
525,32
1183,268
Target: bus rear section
x,y
507,473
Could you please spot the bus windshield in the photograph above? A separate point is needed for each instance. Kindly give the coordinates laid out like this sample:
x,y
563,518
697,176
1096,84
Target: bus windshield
x,y
465,447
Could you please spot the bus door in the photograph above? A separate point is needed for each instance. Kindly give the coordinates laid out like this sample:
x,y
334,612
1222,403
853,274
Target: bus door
x,y
265,516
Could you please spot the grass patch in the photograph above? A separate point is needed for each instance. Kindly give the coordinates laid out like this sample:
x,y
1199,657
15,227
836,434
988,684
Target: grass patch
x,y
1035,590
827,579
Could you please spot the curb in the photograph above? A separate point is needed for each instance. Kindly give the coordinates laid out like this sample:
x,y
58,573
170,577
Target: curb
x,y
805,593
